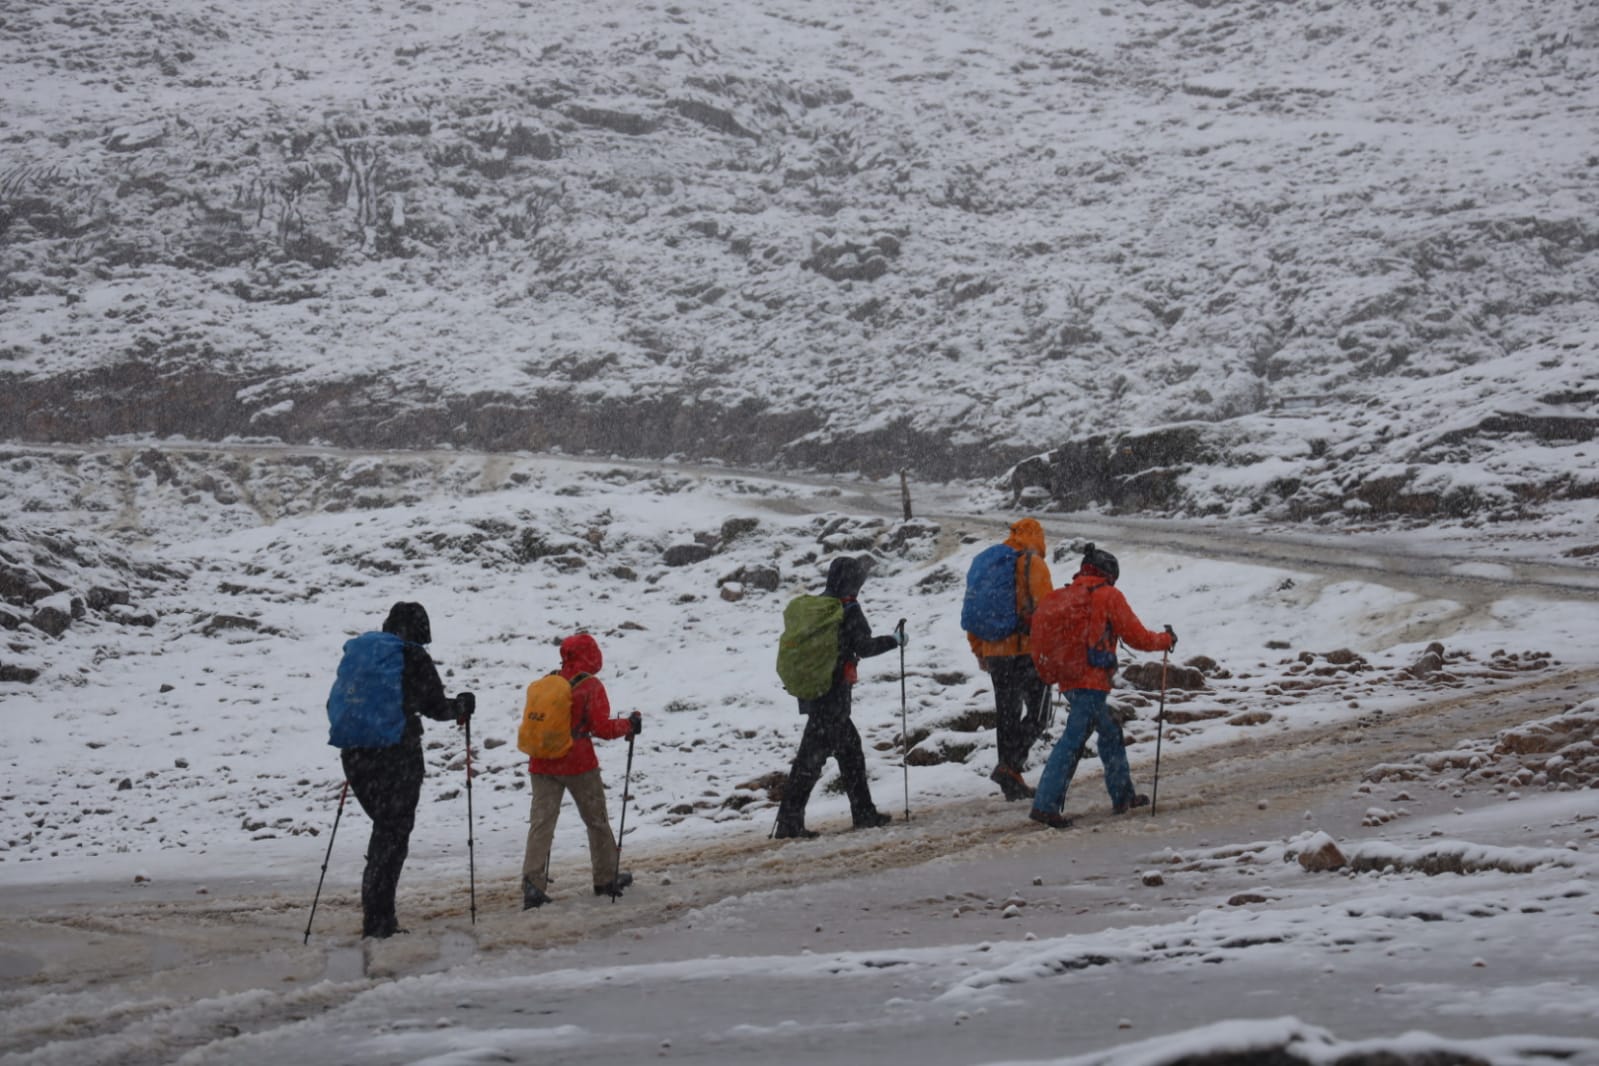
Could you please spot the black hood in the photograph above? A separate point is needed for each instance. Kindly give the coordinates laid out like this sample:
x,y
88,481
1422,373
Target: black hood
x,y
409,621
845,577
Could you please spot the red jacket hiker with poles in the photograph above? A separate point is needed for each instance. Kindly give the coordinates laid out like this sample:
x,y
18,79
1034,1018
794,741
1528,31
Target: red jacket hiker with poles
x,y
1086,681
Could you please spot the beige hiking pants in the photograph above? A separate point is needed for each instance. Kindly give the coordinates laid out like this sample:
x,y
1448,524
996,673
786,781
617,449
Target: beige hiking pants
x,y
588,792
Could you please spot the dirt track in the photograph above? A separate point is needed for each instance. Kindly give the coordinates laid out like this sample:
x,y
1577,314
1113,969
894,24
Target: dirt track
x,y
139,958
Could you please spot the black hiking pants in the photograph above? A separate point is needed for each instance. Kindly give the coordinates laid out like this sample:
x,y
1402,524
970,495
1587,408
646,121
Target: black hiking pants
x,y
387,782
1016,684
829,733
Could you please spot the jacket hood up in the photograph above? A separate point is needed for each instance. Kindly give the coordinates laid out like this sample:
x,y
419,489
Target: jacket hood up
x,y
409,622
580,654
845,576
1026,535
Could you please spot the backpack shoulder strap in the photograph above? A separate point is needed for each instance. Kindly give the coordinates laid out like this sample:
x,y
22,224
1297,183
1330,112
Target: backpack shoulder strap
x,y
1027,581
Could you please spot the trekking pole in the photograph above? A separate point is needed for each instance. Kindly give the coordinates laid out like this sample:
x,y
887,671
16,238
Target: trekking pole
x,y
621,828
904,731
342,792
1160,730
471,858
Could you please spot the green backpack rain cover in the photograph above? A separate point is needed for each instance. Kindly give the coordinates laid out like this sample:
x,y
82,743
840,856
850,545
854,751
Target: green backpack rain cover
x,y
808,650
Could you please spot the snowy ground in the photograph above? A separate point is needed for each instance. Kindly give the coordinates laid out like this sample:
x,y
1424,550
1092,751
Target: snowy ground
x,y
168,792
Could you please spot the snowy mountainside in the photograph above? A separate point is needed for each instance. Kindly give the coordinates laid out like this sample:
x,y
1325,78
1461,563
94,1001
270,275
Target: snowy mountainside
x,y
180,711
1350,243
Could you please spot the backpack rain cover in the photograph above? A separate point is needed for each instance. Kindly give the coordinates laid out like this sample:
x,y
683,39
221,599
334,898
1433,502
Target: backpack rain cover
x,y
808,649
1064,632
546,730
366,708
989,610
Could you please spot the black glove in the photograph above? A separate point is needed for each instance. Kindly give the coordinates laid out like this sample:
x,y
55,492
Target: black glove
x,y
465,704
1173,634
636,720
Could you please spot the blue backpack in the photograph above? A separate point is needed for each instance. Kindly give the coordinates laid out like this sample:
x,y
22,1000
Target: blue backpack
x,y
989,610
366,708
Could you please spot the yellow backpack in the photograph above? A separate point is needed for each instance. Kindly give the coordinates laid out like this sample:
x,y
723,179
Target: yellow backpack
x,y
546,731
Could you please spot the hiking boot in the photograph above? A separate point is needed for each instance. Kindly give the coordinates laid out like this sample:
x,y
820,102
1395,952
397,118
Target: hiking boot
x,y
1050,818
382,930
614,888
532,896
1139,800
1011,783
799,832
873,820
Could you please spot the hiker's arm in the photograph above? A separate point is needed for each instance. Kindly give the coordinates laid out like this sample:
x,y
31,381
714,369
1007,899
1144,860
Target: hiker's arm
x,y
858,642
1130,630
424,692
592,707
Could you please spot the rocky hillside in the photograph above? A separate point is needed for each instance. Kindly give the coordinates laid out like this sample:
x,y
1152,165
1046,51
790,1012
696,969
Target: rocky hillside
x,y
1232,256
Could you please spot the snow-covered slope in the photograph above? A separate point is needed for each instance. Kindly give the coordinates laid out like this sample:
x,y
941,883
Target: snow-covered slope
x,y
159,709
1353,242
168,793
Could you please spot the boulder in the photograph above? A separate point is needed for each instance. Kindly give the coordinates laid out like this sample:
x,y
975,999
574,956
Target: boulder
x,y
218,623
99,597
21,585
53,615
1321,854
686,554
734,528
625,122
1146,676
717,118
765,578
1429,664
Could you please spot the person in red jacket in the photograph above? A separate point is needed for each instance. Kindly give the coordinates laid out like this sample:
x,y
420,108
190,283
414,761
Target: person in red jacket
x,y
1087,692
577,772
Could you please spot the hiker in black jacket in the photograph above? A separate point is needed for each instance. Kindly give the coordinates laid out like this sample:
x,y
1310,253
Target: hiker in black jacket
x,y
828,729
387,781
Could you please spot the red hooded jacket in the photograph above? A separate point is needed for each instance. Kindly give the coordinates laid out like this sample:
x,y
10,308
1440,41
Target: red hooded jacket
x,y
591,711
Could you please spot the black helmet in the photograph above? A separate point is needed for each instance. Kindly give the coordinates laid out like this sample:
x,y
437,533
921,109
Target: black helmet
x,y
1103,561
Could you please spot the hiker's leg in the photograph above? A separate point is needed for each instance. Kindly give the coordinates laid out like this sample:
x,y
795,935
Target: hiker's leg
x,y
1113,756
1062,764
1005,672
544,809
588,792
846,745
1034,692
387,783
804,773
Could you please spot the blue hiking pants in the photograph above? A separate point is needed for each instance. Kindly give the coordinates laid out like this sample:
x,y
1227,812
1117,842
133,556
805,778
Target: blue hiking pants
x,y
1086,712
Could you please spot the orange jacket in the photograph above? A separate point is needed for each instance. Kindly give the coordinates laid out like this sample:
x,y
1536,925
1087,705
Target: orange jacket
x,y
1033,583
1107,606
